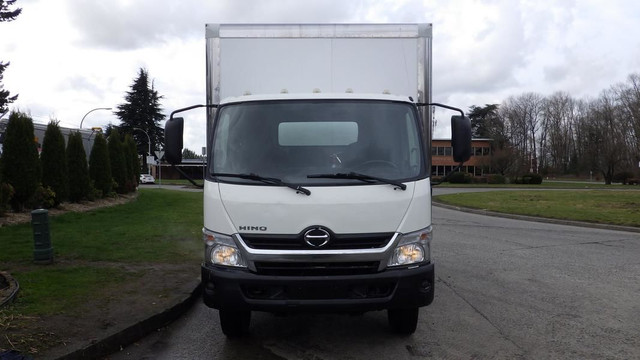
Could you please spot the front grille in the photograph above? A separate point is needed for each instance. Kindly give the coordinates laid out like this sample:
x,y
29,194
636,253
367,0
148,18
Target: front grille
x,y
337,242
316,268
319,291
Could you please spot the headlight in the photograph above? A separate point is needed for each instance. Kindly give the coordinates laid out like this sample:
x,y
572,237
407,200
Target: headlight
x,y
221,250
412,248
225,255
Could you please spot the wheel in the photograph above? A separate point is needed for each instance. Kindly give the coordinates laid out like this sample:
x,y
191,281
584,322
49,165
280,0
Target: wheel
x,y
403,321
235,323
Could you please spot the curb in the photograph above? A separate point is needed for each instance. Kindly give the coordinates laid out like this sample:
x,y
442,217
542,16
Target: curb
x,y
135,332
536,219
14,287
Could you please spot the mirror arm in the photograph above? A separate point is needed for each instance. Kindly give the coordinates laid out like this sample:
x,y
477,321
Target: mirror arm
x,y
191,180
442,106
214,106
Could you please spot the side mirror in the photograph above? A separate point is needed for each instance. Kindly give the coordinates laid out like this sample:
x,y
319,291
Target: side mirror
x,y
173,130
461,138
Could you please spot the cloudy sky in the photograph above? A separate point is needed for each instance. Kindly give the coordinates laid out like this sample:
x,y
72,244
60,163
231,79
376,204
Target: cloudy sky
x,y
70,56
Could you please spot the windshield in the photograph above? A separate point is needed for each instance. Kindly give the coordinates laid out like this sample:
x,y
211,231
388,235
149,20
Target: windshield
x,y
290,140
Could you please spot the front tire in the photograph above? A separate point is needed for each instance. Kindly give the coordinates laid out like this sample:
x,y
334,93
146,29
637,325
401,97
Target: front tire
x,y
235,323
403,321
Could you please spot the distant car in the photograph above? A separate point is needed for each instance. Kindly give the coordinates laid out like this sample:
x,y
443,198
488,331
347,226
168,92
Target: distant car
x,y
147,179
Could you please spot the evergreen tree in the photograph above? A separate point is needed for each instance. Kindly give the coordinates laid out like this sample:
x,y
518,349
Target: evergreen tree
x,y
5,96
54,162
142,110
6,15
133,164
20,161
79,185
118,164
100,166
190,154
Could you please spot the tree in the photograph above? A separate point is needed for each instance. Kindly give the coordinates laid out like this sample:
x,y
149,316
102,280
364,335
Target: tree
x,y
20,161
100,166
6,15
118,162
522,118
629,95
557,142
79,184
54,162
5,96
142,110
190,154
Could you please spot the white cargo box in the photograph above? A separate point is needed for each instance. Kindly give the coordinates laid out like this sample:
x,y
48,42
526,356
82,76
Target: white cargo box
x,y
329,58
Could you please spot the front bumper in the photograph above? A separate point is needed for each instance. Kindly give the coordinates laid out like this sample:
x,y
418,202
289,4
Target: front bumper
x,y
226,288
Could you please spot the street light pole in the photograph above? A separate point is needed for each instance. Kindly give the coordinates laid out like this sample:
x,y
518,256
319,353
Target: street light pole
x,y
90,111
149,148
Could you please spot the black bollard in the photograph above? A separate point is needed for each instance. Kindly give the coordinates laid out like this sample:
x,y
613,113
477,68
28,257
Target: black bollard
x,y
42,250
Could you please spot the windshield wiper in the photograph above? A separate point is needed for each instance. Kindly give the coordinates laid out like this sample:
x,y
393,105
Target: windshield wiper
x,y
266,180
358,176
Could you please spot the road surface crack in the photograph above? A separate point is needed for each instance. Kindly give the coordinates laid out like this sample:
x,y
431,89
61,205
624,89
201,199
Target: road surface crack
x,y
484,316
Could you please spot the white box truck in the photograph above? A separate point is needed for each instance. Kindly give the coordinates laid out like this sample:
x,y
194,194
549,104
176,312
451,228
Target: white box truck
x,y
317,195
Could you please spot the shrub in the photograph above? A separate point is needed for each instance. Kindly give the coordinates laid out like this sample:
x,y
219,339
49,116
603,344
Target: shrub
x,y
496,179
54,163
622,177
79,185
43,198
6,193
479,179
133,164
100,166
460,178
529,179
20,161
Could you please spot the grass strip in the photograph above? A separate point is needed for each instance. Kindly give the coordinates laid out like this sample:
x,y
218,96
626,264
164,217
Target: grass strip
x,y
159,226
92,249
597,206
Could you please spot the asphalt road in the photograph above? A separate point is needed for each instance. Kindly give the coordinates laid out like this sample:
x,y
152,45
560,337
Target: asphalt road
x,y
506,289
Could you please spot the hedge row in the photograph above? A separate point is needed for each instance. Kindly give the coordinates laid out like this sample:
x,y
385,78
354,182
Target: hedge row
x,y
29,181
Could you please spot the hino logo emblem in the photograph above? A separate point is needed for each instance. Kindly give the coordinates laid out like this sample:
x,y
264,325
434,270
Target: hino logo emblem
x,y
317,237
252,228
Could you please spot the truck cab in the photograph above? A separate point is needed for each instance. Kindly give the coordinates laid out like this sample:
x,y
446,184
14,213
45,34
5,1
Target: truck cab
x,y
316,201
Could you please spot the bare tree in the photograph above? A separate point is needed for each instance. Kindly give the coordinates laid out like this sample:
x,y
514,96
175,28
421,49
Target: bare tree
x,y
629,96
522,117
606,131
556,139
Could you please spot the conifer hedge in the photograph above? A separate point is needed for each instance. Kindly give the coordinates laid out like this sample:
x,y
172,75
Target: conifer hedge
x,y
100,166
133,165
20,161
54,163
79,185
118,164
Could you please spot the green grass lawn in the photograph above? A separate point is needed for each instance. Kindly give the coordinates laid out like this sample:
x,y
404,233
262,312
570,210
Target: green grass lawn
x,y
618,207
92,250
